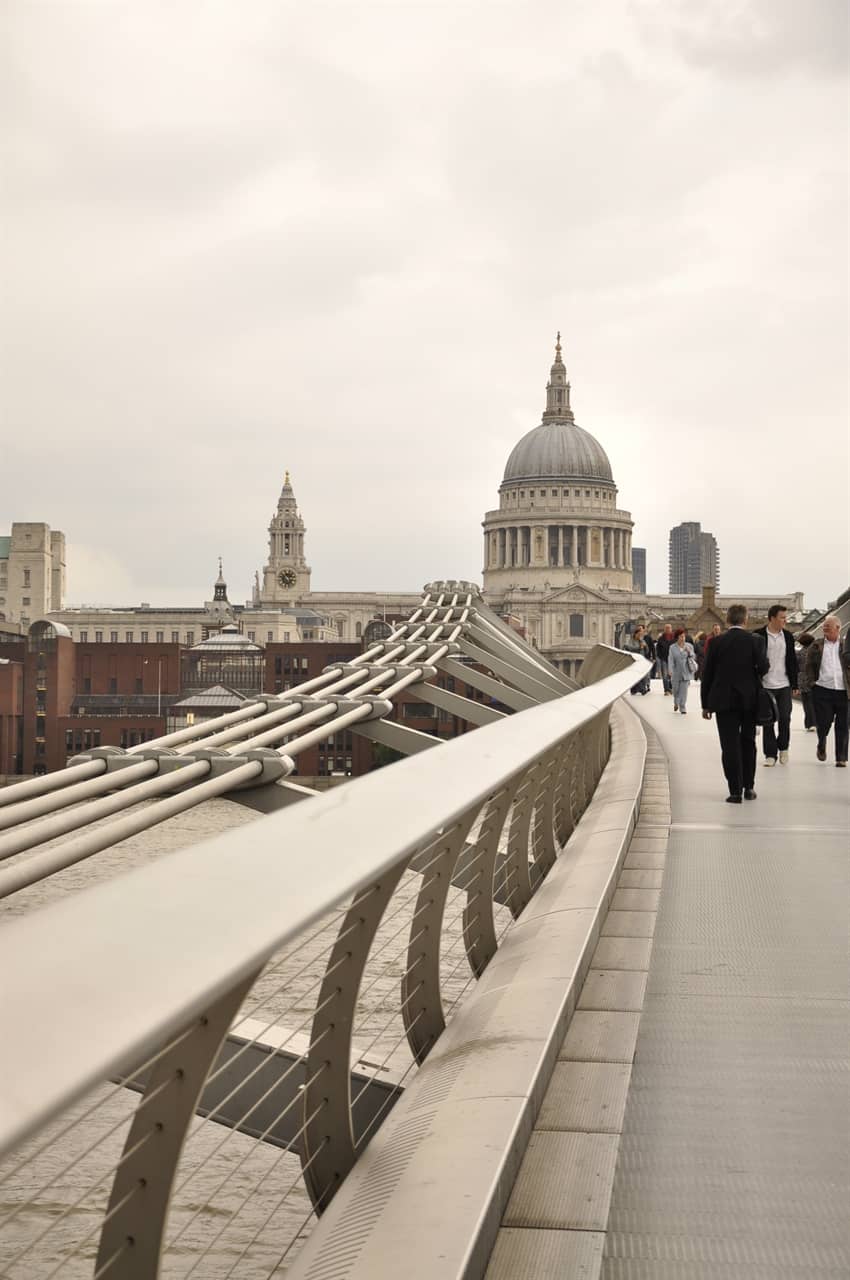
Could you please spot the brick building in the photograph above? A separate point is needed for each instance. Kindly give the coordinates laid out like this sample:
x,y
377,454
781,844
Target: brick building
x,y
60,697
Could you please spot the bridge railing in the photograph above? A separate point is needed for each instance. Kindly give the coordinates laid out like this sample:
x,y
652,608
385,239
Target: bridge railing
x,y
259,999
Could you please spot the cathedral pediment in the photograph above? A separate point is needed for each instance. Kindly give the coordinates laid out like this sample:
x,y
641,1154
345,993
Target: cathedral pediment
x,y
577,593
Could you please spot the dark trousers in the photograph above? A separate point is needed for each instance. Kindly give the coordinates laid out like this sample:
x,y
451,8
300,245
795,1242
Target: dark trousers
x,y
783,703
809,719
737,733
831,704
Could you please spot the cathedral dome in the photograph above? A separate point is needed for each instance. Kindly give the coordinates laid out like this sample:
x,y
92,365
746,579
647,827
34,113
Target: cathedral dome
x,y
558,450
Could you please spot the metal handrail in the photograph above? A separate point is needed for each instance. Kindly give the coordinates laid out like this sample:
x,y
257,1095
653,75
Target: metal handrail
x,y
217,918
157,962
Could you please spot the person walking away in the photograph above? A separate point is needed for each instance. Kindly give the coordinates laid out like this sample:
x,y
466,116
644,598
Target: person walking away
x,y
683,665
804,683
636,643
699,653
829,672
781,680
662,648
734,663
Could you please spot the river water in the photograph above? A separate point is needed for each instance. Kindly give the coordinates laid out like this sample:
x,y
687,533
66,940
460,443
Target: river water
x,y
240,1208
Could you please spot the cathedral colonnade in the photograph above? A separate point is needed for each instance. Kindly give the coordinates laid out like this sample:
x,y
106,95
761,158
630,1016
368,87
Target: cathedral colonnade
x,y
564,545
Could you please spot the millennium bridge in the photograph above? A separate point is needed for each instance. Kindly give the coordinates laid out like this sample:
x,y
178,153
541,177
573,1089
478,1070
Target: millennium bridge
x,y
527,1003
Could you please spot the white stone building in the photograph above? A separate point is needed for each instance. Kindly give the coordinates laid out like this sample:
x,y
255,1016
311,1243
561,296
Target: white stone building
x,y
32,573
557,563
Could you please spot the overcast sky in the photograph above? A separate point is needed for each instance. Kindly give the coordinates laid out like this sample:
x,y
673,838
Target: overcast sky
x,y
339,237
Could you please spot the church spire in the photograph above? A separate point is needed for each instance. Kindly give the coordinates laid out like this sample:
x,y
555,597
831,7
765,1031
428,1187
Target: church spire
x,y
220,589
558,390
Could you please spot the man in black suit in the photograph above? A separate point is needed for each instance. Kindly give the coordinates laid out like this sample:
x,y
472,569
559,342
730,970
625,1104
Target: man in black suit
x,y
781,680
730,683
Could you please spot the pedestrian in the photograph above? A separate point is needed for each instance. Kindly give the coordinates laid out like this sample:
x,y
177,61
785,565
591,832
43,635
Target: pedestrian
x,y
804,682
781,680
730,682
699,653
662,648
828,670
683,665
636,643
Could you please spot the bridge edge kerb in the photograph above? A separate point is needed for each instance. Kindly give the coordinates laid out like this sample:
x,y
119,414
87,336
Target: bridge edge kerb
x,y
421,1212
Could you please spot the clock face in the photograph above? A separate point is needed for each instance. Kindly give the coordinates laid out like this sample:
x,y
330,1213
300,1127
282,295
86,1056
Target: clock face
x,y
286,578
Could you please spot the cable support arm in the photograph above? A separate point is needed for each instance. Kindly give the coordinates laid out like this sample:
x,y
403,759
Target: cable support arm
x,y
107,780
47,863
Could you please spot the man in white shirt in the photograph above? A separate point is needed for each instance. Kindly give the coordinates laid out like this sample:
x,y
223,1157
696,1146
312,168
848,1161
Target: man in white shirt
x,y
781,680
829,669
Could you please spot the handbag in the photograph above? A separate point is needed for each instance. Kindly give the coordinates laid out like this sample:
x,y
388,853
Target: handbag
x,y
766,709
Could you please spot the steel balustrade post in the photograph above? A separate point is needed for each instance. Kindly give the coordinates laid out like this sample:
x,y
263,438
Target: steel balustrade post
x,y
143,1183
515,868
543,843
328,1149
421,999
564,819
479,922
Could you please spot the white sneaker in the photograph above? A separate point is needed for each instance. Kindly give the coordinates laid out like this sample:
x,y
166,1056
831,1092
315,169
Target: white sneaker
x,y
783,757
769,762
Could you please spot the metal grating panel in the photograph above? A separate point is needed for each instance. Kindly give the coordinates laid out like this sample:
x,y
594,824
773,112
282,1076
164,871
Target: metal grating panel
x,y
585,1097
734,1157
597,1036
612,989
546,1255
565,1181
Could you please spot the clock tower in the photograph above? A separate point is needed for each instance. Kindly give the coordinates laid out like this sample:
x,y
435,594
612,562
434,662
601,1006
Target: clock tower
x,y
286,576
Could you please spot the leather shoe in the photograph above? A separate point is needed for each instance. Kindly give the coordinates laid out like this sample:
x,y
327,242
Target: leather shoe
x,y
749,794
841,764
733,800
821,752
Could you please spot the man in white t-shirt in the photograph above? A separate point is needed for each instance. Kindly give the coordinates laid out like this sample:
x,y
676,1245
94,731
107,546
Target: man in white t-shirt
x,y
829,670
781,680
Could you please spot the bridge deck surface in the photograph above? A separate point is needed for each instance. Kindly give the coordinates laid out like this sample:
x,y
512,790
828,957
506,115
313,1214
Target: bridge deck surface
x,y
733,1159
731,1141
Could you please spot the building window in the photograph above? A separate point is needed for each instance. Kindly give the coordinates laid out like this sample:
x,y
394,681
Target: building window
x,y
69,739
86,684
27,582
84,636
160,637
25,600
278,667
252,635
128,637
113,684
358,629
286,637
190,637
140,685
98,637
144,637
175,637
113,637
587,493
576,624
269,636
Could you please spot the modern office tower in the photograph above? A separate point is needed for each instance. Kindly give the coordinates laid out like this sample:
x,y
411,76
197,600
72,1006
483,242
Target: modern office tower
x,y
694,559
639,570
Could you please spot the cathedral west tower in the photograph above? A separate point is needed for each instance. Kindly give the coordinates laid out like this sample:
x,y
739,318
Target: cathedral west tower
x,y
286,575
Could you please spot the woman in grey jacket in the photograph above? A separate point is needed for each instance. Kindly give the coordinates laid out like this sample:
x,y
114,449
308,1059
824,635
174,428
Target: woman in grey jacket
x,y
682,665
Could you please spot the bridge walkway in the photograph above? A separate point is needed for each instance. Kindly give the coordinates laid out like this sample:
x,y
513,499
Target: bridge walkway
x,y
720,1149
